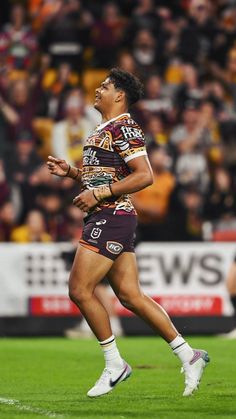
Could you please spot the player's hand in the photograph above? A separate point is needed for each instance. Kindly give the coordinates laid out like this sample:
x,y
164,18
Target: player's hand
x,y
57,167
85,200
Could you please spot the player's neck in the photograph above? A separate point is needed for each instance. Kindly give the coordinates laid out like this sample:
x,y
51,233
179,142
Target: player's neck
x,y
111,114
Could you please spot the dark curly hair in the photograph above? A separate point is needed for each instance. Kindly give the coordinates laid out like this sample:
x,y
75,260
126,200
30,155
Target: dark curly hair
x,y
127,82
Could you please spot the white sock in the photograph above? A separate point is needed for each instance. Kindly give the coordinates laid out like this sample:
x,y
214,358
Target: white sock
x,y
112,356
181,349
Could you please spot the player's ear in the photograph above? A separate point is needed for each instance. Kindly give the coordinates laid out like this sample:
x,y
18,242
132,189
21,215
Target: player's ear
x,y
120,96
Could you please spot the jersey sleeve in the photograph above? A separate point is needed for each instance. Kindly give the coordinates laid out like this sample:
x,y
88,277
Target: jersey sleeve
x,y
129,141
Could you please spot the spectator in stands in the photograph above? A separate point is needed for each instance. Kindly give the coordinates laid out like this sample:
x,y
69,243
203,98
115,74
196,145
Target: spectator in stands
x,y
156,131
4,185
125,61
220,204
56,86
231,75
168,36
107,34
152,203
20,164
190,141
225,40
18,44
20,110
7,220
198,35
189,88
186,214
144,16
4,143
228,77
69,134
34,229
155,100
49,201
41,11
216,91
144,52
65,36
211,111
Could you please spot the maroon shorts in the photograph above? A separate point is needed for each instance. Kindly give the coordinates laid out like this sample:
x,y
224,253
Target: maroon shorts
x,y
109,234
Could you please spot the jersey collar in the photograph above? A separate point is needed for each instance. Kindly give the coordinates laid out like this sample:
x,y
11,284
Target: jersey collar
x,y
101,126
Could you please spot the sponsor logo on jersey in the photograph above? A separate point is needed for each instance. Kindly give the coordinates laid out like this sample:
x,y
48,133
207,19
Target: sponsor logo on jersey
x,y
122,144
89,157
95,233
114,247
130,132
100,222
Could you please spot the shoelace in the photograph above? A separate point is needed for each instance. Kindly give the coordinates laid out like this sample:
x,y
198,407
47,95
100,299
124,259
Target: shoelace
x,y
103,379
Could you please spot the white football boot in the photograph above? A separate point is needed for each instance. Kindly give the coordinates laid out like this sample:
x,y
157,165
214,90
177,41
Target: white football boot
x,y
193,371
109,379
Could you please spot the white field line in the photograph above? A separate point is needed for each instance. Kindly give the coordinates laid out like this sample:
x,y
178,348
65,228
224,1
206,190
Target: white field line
x,y
19,406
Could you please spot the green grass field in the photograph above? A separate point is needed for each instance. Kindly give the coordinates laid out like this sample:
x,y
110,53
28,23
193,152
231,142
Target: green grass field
x,y
50,378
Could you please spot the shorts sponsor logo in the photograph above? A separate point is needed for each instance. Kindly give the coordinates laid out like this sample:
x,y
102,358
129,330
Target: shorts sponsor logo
x,y
100,222
96,232
114,247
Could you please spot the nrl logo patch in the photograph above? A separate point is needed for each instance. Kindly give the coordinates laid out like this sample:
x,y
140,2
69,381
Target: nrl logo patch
x,y
114,247
95,233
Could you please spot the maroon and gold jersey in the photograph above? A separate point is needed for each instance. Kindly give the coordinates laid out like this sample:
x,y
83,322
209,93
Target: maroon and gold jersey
x,y
106,154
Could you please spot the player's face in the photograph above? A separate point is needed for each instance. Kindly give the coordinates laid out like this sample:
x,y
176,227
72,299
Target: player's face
x,y
105,96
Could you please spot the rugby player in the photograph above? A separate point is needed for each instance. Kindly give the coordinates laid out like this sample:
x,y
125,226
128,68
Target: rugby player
x,y
115,164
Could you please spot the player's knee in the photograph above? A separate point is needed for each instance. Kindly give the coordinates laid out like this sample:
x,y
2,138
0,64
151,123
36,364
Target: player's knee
x,y
131,301
78,295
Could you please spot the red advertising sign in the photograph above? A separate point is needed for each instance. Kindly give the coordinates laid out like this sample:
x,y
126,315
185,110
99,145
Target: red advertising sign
x,y
184,305
52,306
175,305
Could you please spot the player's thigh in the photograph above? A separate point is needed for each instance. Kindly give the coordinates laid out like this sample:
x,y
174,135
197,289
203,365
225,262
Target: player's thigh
x,y
88,269
231,279
123,276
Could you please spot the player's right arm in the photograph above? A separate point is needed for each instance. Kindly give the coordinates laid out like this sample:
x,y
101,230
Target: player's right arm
x,y
61,168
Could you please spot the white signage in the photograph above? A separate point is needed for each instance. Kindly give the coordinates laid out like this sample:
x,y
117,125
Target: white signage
x,y
186,278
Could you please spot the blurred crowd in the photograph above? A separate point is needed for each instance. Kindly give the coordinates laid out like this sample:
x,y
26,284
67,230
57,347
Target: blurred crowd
x,y
54,53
